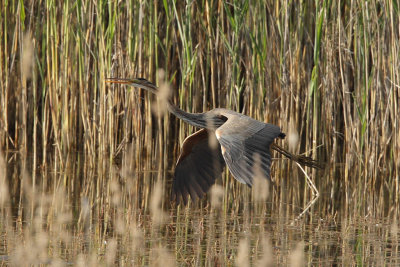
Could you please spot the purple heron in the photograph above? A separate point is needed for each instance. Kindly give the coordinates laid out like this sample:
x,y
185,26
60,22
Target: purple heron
x,y
238,139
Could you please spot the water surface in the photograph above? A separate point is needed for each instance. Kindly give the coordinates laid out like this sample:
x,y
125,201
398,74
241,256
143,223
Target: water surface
x,y
75,213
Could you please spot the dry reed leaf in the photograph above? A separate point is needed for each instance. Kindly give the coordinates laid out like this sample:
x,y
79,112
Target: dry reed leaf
x,y
40,242
394,229
80,260
27,56
261,183
85,213
212,139
296,258
242,258
64,218
159,107
161,257
115,193
292,137
3,182
32,251
61,215
55,262
119,223
157,214
83,260
27,186
128,163
267,257
217,195
111,251
93,260
137,237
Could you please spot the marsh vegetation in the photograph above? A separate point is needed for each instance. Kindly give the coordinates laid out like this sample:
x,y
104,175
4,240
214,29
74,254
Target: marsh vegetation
x,y
86,168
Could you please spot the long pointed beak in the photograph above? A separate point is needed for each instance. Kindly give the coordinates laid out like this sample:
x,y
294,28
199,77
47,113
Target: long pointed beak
x,y
135,82
120,80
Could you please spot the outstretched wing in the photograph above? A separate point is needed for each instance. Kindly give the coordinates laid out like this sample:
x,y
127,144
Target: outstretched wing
x,y
198,165
245,145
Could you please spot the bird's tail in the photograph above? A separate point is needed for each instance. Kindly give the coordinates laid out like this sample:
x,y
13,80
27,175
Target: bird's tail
x,y
302,160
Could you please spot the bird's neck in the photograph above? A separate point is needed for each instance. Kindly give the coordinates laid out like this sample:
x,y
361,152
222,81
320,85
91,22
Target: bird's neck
x,y
195,119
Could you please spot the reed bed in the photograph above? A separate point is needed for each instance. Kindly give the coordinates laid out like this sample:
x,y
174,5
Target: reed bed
x,y
81,161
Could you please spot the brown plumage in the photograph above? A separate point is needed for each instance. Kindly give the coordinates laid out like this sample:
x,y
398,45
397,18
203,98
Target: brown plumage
x,y
226,137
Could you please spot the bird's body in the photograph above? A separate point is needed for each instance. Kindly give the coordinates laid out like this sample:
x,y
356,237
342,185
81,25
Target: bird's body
x,y
241,142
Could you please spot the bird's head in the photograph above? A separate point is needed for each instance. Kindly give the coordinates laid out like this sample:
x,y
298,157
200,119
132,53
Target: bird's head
x,y
135,82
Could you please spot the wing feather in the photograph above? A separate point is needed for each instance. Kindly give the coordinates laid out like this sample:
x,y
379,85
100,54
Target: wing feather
x,y
243,139
197,167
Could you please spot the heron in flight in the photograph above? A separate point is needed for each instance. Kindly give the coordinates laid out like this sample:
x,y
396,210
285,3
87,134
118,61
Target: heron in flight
x,y
239,141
